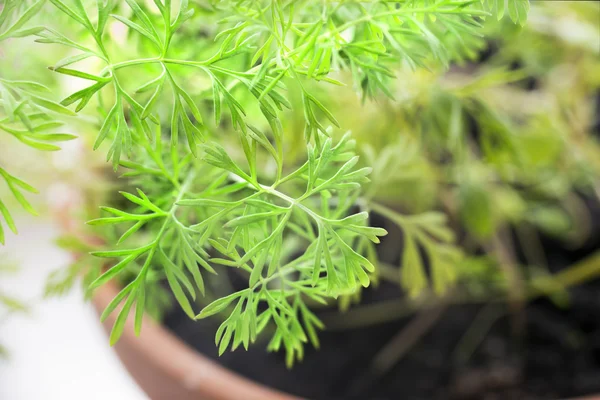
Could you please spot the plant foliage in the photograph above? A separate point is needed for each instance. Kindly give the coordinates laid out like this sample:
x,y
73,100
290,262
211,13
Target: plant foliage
x,y
25,111
216,200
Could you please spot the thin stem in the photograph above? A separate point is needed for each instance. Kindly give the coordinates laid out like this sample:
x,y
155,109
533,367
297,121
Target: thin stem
x,y
483,322
501,246
399,345
170,215
385,211
271,190
372,314
130,63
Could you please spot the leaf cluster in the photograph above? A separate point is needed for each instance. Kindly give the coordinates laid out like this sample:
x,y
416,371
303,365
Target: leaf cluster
x,y
207,199
26,114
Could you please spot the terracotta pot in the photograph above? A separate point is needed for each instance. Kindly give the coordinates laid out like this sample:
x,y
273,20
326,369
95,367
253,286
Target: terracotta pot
x,y
167,368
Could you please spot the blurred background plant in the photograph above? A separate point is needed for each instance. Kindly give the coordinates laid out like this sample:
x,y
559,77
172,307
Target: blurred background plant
x,y
31,133
505,146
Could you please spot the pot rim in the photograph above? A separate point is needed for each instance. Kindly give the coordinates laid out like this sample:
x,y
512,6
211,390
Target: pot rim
x,y
181,364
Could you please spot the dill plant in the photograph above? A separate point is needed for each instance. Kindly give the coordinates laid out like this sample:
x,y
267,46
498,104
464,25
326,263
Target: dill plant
x,y
194,107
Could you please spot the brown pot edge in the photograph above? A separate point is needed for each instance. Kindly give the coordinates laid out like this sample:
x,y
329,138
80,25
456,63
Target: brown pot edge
x,y
165,367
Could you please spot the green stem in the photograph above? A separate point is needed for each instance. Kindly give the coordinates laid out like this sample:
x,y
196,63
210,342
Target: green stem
x,y
390,310
385,211
170,215
578,273
130,63
271,190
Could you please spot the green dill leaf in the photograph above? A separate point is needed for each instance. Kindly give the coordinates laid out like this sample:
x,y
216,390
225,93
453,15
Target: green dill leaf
x,y
117,300
51,105
119,325
140,304
178,293
218,305
132,25
130,255
252,218
22,20
106,125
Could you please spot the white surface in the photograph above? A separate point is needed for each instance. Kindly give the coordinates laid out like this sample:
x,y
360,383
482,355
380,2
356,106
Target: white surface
x,y
59,351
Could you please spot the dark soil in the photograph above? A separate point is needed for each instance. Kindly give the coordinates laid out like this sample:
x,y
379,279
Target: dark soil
x,y
555,354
